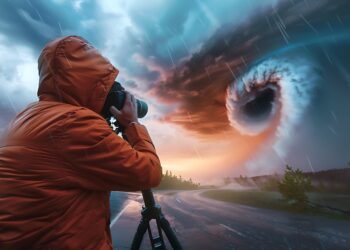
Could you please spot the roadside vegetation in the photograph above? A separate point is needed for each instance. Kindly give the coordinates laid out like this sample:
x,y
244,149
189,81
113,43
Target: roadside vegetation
x,y
326,181
294,192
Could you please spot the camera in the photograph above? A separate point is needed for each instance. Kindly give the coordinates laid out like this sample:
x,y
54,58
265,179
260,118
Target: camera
x,y
116,97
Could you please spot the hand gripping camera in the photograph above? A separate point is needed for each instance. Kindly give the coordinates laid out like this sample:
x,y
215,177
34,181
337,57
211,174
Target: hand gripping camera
x,y
116,97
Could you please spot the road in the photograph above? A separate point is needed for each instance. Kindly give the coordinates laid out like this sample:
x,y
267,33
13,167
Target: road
x,y
202,223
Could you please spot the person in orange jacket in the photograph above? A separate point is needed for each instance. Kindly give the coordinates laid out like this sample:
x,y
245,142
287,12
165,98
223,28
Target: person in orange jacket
x,y
60,159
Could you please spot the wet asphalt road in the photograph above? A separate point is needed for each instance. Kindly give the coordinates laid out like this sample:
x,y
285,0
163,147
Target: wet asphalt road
x,y
202,223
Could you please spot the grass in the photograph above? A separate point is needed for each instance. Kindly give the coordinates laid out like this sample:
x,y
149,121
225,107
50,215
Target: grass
x,y
339,201
274,200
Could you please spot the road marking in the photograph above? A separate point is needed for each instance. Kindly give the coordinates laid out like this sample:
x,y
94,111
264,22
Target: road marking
x,y
232,230
178,200
118,216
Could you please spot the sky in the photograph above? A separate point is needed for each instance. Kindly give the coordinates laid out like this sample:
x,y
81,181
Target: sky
x,y
234,87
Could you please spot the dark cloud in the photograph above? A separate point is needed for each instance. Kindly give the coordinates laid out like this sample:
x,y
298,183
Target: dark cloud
x,y
199,84
161,34
14,23
34,23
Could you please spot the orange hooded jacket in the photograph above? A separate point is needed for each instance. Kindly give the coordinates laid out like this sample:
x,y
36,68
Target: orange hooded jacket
x,y
60,159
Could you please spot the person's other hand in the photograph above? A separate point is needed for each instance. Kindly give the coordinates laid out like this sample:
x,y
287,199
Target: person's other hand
x,y
128,113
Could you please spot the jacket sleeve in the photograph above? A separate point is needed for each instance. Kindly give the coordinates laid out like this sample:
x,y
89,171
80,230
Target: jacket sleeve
x,y
101,160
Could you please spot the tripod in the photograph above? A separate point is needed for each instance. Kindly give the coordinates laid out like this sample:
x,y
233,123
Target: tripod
x,y
150,211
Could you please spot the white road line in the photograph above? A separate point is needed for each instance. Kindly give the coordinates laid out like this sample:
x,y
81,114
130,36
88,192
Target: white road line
x,y
118,216
178,200
232,230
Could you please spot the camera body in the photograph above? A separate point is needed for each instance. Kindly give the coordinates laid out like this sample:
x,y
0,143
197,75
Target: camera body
x,y
116,97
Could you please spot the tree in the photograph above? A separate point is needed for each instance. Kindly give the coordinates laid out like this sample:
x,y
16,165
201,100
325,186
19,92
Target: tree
x,y
294,186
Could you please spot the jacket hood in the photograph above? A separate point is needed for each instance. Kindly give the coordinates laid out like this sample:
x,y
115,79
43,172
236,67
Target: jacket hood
x,y
72,71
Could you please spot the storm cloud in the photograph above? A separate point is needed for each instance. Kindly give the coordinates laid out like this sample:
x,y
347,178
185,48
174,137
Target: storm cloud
x,y
200,83
311,33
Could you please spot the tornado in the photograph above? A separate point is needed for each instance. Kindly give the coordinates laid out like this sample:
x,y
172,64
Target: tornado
x,y
272,95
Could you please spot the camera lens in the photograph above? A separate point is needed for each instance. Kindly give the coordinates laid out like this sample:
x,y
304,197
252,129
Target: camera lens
x,y
142,108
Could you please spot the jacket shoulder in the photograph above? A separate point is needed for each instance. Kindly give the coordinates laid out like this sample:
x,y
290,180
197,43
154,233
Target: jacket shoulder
x,y
46,119
83,125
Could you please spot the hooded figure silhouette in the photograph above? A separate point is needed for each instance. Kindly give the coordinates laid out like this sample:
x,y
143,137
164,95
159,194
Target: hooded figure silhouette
x,y
60,159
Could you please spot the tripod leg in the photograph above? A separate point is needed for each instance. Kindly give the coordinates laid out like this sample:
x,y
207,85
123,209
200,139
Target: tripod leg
x,y
141,230
174,242
160,234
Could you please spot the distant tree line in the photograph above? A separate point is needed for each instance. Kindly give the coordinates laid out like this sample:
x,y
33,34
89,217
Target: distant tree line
x,y
171,181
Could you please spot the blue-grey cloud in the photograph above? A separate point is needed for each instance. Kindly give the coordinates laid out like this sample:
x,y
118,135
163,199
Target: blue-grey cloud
x,y
34,23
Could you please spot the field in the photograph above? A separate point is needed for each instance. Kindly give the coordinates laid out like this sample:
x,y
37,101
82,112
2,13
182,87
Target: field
x,y
329,205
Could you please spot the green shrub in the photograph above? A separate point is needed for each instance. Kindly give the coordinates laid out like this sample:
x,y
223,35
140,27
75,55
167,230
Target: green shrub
x,y
294,186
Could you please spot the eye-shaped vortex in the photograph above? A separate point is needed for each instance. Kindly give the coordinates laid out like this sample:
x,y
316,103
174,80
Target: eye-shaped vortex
x,y
274,93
